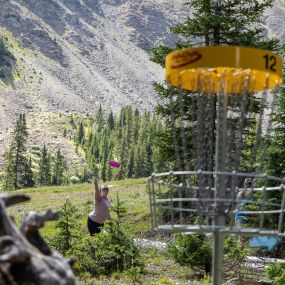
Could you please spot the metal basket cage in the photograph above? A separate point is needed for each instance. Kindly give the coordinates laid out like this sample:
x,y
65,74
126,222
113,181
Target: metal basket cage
x,y
188,201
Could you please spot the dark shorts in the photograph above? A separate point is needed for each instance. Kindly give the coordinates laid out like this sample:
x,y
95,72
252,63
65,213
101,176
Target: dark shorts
x,y
93,227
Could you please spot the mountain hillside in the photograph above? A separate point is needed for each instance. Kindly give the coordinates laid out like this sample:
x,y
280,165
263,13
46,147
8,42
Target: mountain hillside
x,y
72,55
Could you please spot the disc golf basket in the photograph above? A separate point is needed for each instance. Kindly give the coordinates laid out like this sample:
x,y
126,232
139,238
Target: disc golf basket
x,y
219,138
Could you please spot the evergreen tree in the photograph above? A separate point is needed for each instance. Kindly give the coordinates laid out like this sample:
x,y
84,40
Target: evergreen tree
x,y
122,139
230,22
68,227
45,167
127,139
99,119
212,22
80,134
275,159
72,122
111,121
17,164
28,176
131,164
19,146
104,154
58,169
9,176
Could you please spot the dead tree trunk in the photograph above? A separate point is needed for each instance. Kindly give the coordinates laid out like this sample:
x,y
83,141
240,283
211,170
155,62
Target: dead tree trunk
x,y
25,258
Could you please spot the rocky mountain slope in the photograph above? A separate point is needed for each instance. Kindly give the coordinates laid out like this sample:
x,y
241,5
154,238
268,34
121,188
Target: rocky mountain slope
x,y
73,55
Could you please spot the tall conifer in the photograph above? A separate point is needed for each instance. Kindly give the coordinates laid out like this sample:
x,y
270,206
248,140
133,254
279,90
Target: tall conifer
x,y
58,169
226,22
16,161
45,167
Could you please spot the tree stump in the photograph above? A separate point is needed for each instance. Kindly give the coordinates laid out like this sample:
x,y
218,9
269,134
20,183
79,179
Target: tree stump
x,y
25,258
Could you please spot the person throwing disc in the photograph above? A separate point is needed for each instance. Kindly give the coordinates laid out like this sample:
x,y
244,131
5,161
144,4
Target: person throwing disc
x,y
101,211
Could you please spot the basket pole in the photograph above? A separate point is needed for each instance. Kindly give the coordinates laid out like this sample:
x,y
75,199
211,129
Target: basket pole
x,y
219,219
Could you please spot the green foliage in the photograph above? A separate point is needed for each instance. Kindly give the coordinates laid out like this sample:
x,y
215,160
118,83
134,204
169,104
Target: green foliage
x,y
110,251
127,138
275,158
276,273
18,173
80,134
28,179
18,164
4,51
134,273
7,60
232,23
68,228
236,251
45,167
193,250
74,179
9,176
58,169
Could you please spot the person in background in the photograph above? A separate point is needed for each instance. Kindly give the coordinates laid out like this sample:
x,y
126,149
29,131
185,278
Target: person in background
x,y
101,211
246,193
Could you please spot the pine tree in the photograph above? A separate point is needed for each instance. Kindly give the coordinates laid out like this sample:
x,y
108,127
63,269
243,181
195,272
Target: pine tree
x,y
233,22
28,176
9,176
17,164
68,227
131,164
45,167
80,133
122,145
129,141
275,159
58,169
99,119
104,153
72,122
111,121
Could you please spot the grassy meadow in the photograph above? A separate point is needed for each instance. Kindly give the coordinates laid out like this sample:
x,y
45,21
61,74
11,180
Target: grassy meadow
x,y
160,267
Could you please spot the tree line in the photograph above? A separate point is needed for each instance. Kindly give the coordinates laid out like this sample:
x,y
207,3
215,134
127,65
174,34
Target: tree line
x,y
21,171
129,138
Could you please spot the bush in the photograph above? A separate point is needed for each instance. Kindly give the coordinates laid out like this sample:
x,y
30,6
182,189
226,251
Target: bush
x,y
275,272
236,251
110,251
193,250
68,227
74,179
107,252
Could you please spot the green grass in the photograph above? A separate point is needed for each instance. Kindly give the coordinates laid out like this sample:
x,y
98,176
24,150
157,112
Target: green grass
x,y
161,269
133,192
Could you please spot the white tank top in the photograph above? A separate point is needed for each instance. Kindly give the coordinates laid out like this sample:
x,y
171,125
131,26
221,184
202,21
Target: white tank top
x,y
101,211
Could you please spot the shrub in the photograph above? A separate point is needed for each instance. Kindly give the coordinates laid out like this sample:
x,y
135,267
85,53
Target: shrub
x,y
276,273
236,251
68,228
193,250
74,179
111,250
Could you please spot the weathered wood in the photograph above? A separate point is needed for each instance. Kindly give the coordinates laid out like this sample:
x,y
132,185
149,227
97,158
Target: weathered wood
x,y
14,199
25,258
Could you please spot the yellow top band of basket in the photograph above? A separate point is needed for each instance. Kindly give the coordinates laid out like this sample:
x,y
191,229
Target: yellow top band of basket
x,y
206,67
